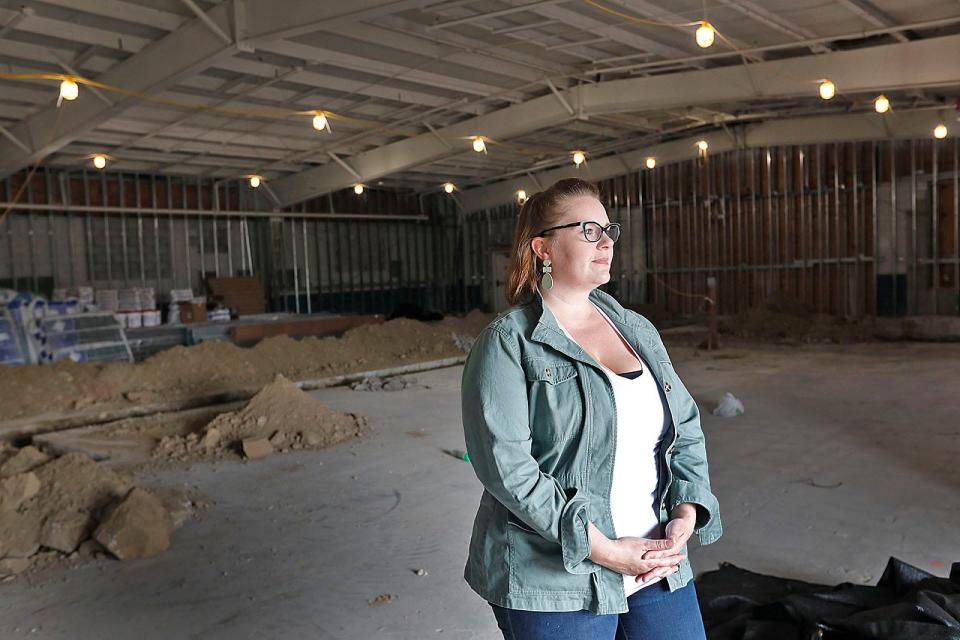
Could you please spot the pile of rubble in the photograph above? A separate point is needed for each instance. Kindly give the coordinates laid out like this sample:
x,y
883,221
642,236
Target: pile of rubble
x,y
215,367
280,418
73,508
783,319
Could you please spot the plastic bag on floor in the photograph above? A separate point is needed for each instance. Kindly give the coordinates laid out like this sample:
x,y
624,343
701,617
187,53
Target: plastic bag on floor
x,y
729,406
907,603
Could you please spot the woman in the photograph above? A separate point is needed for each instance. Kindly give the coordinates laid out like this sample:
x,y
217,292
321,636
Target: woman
x,y
587,444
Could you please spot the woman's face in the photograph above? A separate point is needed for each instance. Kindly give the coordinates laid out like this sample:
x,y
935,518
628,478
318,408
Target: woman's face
x,y
578,264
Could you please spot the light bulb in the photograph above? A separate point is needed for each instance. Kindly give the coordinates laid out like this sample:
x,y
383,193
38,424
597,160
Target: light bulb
x,y
521,196
448,187
69,90
881,104
478,145
578,158
254,181
702,146
358,189
651,162
99,161
319,122
705,34
940,131
827,90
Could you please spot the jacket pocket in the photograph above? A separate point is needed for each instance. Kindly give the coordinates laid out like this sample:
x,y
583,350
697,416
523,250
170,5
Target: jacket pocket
x,y
555,399
536,565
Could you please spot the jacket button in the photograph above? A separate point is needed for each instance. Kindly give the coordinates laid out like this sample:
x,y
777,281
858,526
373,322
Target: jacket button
x,y
667,387
548,372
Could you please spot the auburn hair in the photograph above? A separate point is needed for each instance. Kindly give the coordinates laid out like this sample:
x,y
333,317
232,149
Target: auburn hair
x,y
541,210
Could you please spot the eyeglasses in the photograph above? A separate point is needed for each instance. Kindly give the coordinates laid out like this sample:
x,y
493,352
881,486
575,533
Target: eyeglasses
x,y
591,230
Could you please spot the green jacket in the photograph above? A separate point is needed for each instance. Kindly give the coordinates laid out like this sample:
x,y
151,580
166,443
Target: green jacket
x,y
539,420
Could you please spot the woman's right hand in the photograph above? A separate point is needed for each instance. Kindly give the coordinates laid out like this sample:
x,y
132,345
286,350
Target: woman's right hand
x,y
625,555
630,552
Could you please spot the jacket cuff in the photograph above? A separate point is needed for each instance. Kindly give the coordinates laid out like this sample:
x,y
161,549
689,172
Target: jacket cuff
x,y
575,537
707,527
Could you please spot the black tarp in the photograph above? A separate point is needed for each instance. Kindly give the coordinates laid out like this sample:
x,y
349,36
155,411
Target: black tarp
x,y
907,603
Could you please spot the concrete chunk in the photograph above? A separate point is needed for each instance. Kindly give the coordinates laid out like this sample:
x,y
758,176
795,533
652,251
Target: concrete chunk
x,y
211,438
13,566
65,531
139,527
254,448
25,459
17,489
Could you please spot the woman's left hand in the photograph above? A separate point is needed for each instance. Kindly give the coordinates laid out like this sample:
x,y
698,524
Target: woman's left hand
x,y
678,531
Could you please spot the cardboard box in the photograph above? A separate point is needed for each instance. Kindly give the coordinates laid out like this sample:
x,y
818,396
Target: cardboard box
x,y
243,295
190,312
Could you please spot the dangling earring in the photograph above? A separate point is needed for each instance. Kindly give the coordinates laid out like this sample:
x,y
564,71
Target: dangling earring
x,y
547,280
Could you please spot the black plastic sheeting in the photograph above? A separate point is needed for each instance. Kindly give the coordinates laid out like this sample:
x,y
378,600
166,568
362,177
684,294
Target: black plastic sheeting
x,y
906,604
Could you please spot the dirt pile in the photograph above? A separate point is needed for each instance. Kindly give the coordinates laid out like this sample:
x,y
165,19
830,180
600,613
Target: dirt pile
x,y
786,320
279,418
60,508
214,366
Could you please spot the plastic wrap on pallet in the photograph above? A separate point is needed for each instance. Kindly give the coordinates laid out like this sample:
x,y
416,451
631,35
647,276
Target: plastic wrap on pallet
x,y
106,300
219,315
181,295
11,346
81,337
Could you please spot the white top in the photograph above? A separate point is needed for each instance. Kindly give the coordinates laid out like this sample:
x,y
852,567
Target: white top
x,y
640,427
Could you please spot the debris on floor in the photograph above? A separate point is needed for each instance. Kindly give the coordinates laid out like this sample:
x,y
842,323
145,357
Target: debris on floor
x,y
906,603
71,508
280,418
459,454
729,406
374,383
783,319
382,599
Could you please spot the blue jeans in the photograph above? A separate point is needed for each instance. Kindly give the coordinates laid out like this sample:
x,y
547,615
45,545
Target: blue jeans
x,y
654,614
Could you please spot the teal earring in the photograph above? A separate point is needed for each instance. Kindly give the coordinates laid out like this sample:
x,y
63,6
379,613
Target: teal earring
x,y
547,280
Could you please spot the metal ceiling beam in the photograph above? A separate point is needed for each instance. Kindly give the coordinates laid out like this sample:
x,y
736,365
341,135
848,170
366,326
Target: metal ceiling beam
x,y
808,130
491,14
159,66
922,63
759,14
656,12
869,12
470,74
615,32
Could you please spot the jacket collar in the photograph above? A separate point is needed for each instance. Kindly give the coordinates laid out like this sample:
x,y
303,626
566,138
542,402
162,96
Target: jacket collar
x,y
547,330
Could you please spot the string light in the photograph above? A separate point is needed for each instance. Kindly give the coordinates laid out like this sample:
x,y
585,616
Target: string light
x,y
448,187
479,145
578,158
320,122
255,181
358,189
705,35
69,90
881,104
521,196
651,162
827,89
99,161
940,131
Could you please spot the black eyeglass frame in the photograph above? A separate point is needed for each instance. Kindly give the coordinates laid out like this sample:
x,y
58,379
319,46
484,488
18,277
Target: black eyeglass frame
x,y
583,226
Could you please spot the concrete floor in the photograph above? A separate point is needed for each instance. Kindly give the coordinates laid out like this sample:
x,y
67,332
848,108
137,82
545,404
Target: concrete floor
x,y
846,456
